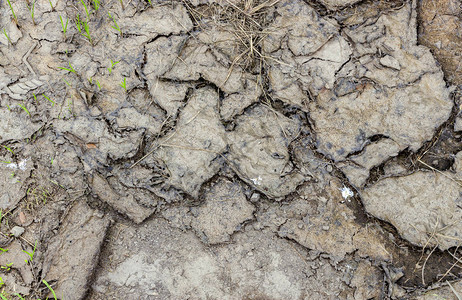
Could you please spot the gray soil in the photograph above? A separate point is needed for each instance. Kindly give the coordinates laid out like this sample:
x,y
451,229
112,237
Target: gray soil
x,y
281,149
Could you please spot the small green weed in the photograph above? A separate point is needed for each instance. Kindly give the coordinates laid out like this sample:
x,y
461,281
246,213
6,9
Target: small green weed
x,y
67,82
31,254
124,84
7,36
86,9
32,11
19,296
51,5
78,23
70,69
113,63
52,102
122,4
96,4
50,288
7,267
87,32
116,26
24,108
12,11
9,149
64,26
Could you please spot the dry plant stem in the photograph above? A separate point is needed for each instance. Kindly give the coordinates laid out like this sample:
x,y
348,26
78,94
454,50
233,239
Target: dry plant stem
x,y
425,262
423,249
453,265
436,170
454,291
151,152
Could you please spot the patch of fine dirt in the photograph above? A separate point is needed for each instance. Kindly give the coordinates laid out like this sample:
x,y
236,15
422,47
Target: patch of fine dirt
x,y
203,149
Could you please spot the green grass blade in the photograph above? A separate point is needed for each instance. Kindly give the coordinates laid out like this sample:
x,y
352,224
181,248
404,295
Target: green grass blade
x,y
50,288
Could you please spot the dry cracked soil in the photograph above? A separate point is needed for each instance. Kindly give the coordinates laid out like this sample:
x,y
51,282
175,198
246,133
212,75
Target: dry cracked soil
x,y
231,149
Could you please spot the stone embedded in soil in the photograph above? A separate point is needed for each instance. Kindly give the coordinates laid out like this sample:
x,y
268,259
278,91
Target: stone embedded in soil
x,y
424,207
192,152
73,254
127,203
258,151
17,231
224,211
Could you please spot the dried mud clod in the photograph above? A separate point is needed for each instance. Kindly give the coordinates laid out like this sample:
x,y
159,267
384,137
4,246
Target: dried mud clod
x,y
255,149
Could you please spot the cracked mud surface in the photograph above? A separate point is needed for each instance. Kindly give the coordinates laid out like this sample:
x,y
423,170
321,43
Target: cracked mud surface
x,y
259,150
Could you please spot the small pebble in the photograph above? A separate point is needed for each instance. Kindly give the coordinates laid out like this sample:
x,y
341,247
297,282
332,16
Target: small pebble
x,y
17,231
255,197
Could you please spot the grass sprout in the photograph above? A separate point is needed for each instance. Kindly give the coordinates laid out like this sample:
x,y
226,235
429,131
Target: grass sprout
x,y
51,5
12,11
7,267
19,296
7,36
96,4
122,4
24,108
50,288
52,102
86,9
32,11
64,26
113,63
78,23
87,32
9,149
31,254
116,26
124,84
70,69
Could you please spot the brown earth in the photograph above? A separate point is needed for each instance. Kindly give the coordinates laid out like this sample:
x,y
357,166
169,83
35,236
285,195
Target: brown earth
x,y
231,149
